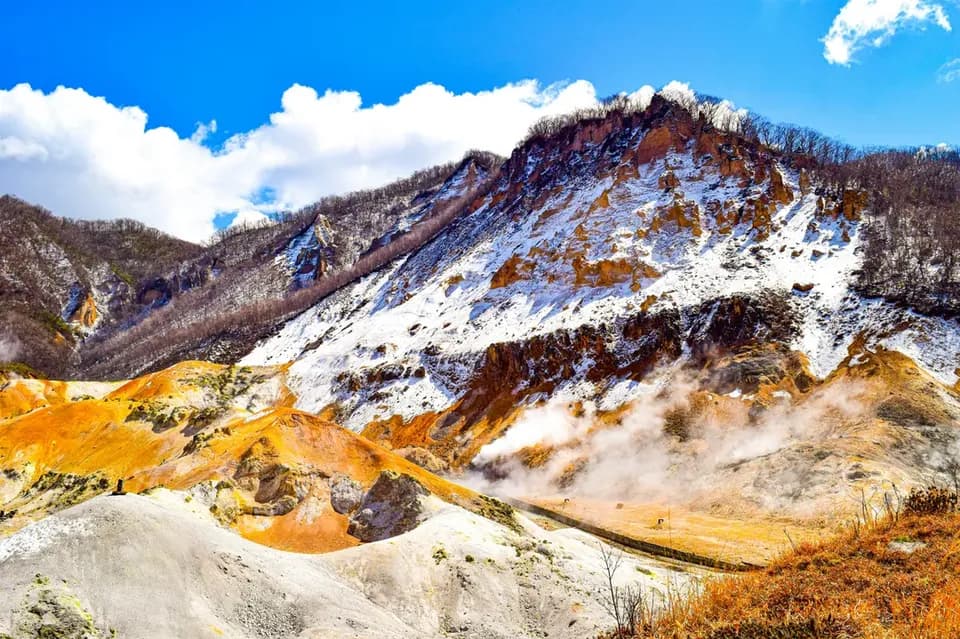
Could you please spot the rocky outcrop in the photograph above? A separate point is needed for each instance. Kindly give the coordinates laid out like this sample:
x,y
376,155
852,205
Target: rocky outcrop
x,y
604,273
423,458
85,312
49,612
346,494
275,487
513,270
768,364
391,507
730,323
363,378
158,291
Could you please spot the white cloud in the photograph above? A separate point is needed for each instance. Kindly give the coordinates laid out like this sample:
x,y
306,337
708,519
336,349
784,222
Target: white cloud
x,y
203,130
870,23
13,148
950,71
81,156
247,217
681,93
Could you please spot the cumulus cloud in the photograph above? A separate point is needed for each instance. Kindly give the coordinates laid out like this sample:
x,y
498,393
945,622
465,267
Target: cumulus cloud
x,y
950,71
871,23
81,156
203,130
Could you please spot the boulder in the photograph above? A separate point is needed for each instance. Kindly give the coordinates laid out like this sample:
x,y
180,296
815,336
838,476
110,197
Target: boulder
x,y
49,613
391,507
345,494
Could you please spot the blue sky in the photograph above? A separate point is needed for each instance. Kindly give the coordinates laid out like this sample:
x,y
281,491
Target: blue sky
x,y
187,63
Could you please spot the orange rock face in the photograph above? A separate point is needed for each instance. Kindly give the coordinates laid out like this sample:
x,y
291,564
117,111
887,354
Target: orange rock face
x,y
610,272
271,469
668,181
655,145
685,214
513,270
854,203
86,313
779,191
591,133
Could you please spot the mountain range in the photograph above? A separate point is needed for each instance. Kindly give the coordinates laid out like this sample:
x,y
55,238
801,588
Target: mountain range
x,y
662,321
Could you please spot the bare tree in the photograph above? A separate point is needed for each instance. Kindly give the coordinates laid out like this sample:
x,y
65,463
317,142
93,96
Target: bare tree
x,y
626,605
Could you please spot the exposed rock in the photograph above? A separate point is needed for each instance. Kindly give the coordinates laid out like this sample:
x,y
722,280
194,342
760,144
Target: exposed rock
x,y
47,614
655,145
345,494
906,547
749,370
779,191
854,203
733,322
423,458
275,508
668,181
85,313
683,213
391,507
802,288
513,270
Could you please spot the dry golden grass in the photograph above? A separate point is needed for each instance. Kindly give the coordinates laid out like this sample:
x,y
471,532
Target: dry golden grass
x,y
745,538
855,586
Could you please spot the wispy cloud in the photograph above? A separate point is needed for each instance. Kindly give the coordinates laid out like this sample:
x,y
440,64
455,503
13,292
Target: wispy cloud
x,y
871,23
949,71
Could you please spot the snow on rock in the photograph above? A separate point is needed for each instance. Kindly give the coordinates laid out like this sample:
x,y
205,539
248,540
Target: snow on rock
x,y
594,244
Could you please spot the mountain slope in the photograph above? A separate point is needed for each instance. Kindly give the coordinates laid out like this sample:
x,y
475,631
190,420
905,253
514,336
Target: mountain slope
x,y
76,295
59,279
651,319
207,451
271,472
221,321
609,262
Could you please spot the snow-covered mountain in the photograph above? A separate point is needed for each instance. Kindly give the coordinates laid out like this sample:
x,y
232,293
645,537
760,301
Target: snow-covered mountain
x,y
644,315
631,219
94,299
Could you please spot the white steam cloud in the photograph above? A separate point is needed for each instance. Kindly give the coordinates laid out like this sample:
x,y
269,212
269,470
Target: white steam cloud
x,y
10,348
638,459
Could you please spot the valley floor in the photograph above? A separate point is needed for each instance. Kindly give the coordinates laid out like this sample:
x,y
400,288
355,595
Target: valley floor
x,y
737,540
159,566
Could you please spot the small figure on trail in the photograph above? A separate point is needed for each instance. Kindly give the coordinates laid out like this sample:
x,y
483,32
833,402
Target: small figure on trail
x,y
119,490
